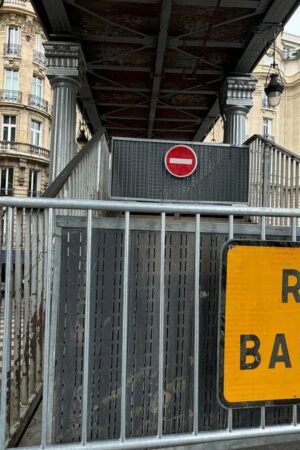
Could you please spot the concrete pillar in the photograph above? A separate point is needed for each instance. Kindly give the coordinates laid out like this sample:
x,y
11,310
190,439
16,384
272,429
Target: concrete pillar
x,y
235,102
64,62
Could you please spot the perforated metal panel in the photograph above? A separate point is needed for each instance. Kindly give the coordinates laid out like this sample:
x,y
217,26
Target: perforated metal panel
x,y
138,172
142,363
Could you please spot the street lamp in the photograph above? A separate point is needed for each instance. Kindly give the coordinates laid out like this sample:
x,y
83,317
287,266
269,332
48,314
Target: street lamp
x,y
274,85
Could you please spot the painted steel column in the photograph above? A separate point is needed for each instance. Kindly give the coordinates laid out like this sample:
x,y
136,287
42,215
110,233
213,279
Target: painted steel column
x,y
64,69
63,145
236,100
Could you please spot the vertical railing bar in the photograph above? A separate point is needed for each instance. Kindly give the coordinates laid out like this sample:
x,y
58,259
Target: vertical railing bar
x,y
263,417
125,326
33,298
161,326
297,186
48,294
263,228
229,411
229,420
294,229
6,328
295,415
231,226
26,331
196,323
87,320
16,379
263,238
294,239
39,299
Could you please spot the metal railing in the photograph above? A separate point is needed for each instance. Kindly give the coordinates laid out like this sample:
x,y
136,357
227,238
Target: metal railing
x,y
9,191
8,95
39,57
274,176
16,2
86,175
12,50
24,245
38,102
32,193
19,147
36,242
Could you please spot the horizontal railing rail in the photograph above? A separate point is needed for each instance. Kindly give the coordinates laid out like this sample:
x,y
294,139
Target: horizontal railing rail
x,y
48,240
20,147
8,95
12,49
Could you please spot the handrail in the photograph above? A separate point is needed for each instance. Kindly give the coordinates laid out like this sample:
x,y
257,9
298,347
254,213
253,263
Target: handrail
x,y
148,207
56,185
273,144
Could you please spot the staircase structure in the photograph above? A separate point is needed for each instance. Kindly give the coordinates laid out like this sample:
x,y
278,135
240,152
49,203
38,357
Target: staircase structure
x,y
111,302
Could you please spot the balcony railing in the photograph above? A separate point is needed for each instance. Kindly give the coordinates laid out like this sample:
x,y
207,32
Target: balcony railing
x,y
32,193
39,57
7,191
12,50
8,95
19,147
8,145
16,2
38,102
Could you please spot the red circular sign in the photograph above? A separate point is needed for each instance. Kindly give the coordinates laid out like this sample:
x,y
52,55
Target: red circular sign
x,y
181,161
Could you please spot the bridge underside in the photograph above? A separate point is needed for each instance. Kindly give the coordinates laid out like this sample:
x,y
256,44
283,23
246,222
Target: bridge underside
x,y
155,68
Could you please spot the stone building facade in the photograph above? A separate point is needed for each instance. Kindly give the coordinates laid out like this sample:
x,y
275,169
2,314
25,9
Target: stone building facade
x,y
280,124
25,102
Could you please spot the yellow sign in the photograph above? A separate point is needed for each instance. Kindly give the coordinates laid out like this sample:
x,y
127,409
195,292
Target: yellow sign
x,y
259,324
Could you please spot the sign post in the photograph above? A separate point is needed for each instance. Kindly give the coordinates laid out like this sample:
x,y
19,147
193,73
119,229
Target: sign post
x,y
181,161
259,324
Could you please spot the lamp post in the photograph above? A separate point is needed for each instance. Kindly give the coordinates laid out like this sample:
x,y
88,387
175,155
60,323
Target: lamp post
x,y
274,86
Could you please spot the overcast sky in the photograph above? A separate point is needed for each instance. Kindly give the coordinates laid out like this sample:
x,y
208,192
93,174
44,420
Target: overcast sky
x,y
293,25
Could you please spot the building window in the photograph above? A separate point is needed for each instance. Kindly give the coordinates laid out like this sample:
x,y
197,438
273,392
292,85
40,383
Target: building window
x,y
12,46
267,128
37,87
265,102
6,181
9,128
35,98
38,51
34,183
36,133
11,85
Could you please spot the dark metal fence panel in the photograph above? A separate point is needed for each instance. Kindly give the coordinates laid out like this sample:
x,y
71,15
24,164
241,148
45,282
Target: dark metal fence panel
x,y
104,385
138,172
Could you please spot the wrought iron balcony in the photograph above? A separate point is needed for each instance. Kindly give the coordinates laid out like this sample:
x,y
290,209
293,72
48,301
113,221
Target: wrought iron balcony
x,y
12,50
32,193
7,191
18,147
8,95
39,57
16,2
38,102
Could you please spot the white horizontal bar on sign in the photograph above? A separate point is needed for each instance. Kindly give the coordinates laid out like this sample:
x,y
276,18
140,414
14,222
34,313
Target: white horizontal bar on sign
x,y
181,161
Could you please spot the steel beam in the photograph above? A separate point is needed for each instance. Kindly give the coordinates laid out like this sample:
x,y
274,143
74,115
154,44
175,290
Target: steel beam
x,y
165,16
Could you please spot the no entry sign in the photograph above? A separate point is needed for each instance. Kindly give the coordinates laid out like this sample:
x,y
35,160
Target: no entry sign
x,y
181,161
260,323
